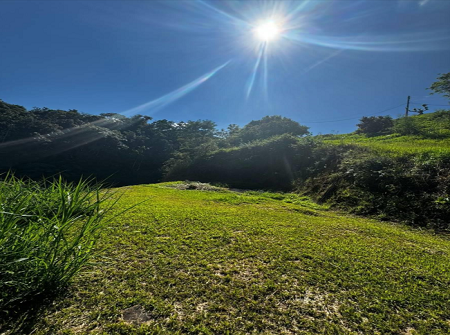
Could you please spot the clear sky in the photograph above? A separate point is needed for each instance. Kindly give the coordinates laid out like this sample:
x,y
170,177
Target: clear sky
x,y
189,60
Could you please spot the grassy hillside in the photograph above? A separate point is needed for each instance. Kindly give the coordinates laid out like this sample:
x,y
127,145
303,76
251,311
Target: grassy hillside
x,y
427,134
403,174
395,144
389,169
394,176
218,262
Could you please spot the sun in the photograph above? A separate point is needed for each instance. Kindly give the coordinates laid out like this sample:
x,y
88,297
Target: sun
x,y
267,31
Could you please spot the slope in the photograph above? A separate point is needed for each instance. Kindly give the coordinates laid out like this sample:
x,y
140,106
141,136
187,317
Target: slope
x,y
204,260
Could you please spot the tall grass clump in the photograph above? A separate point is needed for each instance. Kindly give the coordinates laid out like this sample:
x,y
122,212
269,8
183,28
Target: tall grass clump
x,y
48,231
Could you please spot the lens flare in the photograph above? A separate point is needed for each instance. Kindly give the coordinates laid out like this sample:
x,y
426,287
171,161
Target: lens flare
x,y
156,104
251,80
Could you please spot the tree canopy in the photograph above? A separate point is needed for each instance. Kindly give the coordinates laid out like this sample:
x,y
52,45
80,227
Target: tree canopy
x,y
270,126
125,150
442,85
374,125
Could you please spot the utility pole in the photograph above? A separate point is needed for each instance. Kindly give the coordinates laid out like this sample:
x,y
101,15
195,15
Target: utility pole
x,y
407,106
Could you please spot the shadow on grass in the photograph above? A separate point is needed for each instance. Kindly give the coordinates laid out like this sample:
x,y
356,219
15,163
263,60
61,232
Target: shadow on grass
x,y
21,317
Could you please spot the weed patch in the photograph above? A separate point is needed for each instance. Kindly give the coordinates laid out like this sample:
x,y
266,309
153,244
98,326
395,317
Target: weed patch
x,y
47,234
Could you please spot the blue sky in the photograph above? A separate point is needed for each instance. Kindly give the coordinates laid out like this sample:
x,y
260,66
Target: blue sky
x,y
189,60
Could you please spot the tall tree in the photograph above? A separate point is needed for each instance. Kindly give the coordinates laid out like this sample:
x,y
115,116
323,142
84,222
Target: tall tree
x,y
374,125
270,126
442,85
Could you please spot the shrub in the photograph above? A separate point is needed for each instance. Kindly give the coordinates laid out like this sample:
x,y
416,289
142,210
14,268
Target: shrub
x,y
372,125
273,164
413,189
408,126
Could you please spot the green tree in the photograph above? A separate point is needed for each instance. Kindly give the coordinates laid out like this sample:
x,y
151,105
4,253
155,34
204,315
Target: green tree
x,y
374,125
442,85
270,126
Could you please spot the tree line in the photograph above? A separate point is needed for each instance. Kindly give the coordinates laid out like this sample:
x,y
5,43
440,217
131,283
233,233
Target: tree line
x,y
122,150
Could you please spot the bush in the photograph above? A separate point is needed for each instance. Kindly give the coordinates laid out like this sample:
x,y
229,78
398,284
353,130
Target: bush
x,y
408,126
412,189
272,164
47,233
373,125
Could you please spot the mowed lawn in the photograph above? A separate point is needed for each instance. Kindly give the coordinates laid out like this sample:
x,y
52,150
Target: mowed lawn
x,y
206,262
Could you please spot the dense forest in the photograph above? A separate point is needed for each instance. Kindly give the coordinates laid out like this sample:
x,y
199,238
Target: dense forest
x,y
358,172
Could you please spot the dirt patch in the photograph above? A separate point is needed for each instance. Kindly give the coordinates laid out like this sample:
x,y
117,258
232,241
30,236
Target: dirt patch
x,y
203,307
410,331
178,307
136,314
197,186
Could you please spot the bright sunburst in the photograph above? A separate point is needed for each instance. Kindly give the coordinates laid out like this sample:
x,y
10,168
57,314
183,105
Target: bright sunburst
x,y
267,31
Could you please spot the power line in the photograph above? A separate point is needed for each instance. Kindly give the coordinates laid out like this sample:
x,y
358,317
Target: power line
x,y
418,103
353,118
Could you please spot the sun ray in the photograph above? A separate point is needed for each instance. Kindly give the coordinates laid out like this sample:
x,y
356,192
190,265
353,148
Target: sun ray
x,y
156,104
224,14
255,70
323,60
402,43
59,134
81,135
301,6
265,75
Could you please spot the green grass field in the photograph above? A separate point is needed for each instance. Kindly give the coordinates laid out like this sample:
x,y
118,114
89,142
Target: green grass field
x,y
395,144
432,137
220,262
